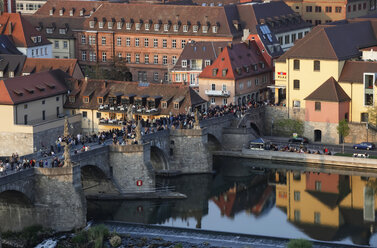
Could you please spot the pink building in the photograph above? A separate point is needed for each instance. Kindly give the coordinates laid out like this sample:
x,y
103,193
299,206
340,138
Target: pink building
x,y
325,107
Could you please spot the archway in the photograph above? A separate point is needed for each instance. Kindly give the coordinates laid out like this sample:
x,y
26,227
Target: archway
x,y
15,197
255,127
94,181
317,135
158,159
213,143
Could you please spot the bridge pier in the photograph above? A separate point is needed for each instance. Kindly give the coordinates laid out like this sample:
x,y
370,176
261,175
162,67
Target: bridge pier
x,y
131,168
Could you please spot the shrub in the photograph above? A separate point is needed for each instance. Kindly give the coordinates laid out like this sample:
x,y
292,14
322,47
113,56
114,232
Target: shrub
x,y
80,238
97,234
31,233
299,243
289,126
115,241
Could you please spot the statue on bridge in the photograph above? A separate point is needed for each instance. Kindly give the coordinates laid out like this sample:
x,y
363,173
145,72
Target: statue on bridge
x,y
67,150
138,132
196,124
129,113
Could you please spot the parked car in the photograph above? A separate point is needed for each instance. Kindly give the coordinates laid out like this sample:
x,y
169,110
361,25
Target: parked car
x,y
299,140
364,146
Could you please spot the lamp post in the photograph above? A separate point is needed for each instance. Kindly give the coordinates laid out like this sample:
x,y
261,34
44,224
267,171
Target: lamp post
x,y
367,126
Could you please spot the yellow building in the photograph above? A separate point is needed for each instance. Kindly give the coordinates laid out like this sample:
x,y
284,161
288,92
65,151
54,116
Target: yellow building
x,y
31,108
329,51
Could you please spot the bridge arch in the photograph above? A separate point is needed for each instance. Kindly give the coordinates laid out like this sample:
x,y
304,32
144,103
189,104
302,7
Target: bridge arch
x,y
15,196
255,127
159,159
213,143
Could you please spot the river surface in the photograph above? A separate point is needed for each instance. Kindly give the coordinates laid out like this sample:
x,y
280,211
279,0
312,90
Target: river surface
x,y
262,198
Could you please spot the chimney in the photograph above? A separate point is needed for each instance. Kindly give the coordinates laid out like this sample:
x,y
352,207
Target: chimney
x,y
10,28
230,45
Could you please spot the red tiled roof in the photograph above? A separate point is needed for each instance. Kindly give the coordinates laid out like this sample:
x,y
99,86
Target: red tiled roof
x,y
21,31
33,87
238,61
353,70
35,65
76,6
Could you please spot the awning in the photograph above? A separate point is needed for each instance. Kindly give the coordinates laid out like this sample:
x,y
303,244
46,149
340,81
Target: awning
x,y
276,86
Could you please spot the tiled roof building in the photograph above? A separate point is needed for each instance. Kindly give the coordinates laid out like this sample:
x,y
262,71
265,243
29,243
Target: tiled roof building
x,y
100,101
239,74
29,41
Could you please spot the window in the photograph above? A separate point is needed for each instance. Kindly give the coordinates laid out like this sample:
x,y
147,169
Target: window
x,y
195,28
318,185
213,86
137,58
207,62
297,215
338,9
225,101
155,59
213,101
183,43
364,117
224,72
256,81
354,7
359,6
164,43
368,89
147,26
296,104
241,85
175,27
92,56
25,119
328,9
146,58
318,9
317,22
364,5
84,114
297,195
164,105
174,43
176,105
56,44
214,30
317,218
128,41
184,63
120,55
128,25
166,27
317,65
185,28
155,76
98,115
248,83
155,43
280,38
137,42
92,40
43,102
156,27
146,42
83,39
57,98
128,57
83,55
57,111
299,35
296,64
65,44
166,76
286,39
174,59
296,84
91,24
103,41
119,41
204,29
293,37
119,25
25,106
214,72
137,26
100,100
224,87
103,56
164,60
349,8
317,106
100,24
309,8
86,99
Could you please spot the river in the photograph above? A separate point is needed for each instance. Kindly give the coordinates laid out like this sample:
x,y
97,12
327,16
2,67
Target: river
x,y
261,197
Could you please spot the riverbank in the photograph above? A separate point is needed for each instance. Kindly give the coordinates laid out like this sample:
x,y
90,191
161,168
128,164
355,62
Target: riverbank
x,y
318,159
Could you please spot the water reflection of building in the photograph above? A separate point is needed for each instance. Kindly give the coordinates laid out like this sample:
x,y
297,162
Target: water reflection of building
x,y
327,206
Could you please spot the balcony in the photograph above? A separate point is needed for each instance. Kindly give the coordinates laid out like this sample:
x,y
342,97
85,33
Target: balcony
x,y
111,122
225,93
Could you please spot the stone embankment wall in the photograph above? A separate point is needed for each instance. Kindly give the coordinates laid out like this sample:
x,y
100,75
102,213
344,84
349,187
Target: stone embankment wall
x,y
237,138
359,133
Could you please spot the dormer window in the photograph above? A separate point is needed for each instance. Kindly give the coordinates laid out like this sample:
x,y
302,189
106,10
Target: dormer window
x,y
128,25
195,28
164,105
176,105
225,72
86,99
82,12
62,31
175,27
1,73
214,72
91,24
71,12
214,29
100,24
166,27
119,25
207,62
39,39
61,12
49,30
184,63
255,67
147,26
34,39
100,100
138,26
204,29
52,11
262,65
156,27
185,28
72,99
110,25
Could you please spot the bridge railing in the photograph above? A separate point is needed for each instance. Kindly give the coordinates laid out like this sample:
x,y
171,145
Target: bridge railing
x,y
20,175
150,190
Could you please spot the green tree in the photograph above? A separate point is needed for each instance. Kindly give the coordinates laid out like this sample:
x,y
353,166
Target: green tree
x,y
343,131
372,115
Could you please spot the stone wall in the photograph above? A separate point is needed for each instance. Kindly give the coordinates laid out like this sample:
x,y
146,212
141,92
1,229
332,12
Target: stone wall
x,y
189,152
131,163
22,143
215,126
359,133
275,113
236,138
329,132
